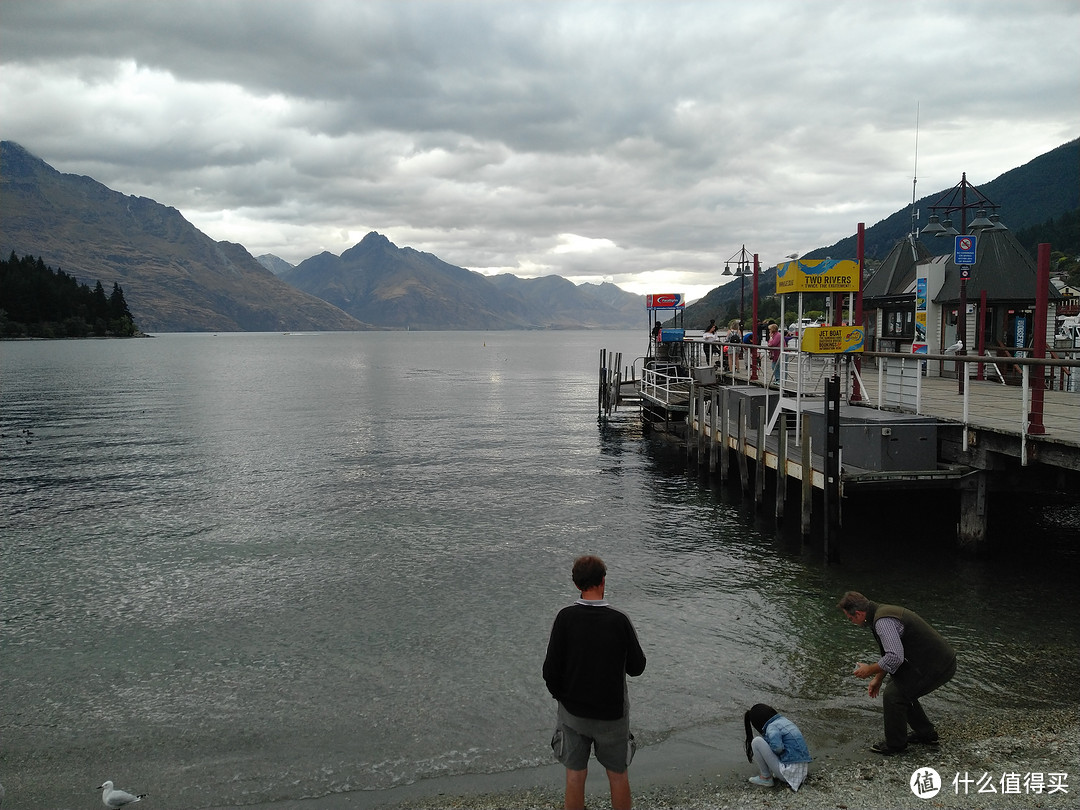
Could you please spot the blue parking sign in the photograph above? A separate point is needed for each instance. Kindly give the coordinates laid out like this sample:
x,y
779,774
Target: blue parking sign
x,y
964,252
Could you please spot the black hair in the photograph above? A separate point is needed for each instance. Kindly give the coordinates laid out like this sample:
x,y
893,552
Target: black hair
x,y
755,718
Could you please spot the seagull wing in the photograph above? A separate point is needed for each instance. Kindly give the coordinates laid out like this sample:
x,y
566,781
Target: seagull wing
x,y
118,798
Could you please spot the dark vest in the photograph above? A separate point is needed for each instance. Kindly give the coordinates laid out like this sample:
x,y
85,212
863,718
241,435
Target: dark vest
x,y
926,653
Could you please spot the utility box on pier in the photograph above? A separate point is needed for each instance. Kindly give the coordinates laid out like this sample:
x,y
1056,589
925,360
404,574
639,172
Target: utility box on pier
x,y
754,398
704,375
878,441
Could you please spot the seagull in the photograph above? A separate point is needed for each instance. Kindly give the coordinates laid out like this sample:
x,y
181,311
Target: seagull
x,y
113,798
955,347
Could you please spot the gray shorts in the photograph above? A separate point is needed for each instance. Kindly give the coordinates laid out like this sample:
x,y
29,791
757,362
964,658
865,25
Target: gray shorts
x,y
575,737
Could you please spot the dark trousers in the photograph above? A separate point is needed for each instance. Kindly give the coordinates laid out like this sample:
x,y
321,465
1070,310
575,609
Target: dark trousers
x,y
900,700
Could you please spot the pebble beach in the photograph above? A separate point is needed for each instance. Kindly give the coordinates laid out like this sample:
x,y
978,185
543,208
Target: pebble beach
x,y
845,775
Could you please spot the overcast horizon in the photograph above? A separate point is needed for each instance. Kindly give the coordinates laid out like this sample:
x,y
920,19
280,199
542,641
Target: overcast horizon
x,y
642,143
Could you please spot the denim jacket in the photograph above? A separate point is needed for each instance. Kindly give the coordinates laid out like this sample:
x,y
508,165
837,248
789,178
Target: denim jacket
x,y
785,739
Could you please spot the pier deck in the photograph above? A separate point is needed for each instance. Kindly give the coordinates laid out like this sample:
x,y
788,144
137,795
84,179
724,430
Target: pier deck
x,y
991,437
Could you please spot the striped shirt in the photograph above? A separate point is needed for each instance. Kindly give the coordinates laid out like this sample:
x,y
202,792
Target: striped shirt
x,y
889,631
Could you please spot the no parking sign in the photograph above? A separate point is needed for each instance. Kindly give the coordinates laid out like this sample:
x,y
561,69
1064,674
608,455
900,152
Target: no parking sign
x,y
964,250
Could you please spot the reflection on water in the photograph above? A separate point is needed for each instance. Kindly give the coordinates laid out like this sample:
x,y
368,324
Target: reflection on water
x,y
330,563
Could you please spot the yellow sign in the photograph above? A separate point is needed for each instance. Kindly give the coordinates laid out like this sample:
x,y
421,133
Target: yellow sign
x,y
817,275
832,339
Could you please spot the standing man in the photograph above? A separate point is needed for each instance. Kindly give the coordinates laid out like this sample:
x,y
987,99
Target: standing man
x,y
915,655
593,647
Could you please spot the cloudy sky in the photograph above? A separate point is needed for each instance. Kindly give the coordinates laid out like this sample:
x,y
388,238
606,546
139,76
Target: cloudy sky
x,y
637,142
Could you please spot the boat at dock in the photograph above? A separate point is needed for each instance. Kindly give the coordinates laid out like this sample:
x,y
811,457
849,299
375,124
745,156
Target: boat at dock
x,y
674,362
660,382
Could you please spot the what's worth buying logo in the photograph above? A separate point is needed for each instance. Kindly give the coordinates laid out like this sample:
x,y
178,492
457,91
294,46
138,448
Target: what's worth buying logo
x,y
925,783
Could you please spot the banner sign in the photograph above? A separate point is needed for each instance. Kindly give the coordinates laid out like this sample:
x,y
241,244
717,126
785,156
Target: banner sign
x,y
817,275
665,301
832,339
920,346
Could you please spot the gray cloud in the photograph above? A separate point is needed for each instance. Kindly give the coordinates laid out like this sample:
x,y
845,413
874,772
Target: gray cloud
x,y
639,141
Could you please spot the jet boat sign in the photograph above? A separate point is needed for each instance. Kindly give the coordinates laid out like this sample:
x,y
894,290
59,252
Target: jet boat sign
x,y
817,275
832,339
665,301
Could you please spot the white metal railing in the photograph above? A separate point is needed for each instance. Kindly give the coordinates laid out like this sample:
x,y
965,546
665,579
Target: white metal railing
x,y
1043,401
667,383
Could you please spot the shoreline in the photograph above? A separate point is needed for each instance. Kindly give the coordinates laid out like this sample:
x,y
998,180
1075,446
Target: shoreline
x,y
704,769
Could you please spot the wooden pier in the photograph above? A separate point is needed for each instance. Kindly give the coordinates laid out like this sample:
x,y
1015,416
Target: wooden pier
x,y
886,428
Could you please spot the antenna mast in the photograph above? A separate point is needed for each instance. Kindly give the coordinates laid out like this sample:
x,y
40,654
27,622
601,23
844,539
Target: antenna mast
x,y
915,180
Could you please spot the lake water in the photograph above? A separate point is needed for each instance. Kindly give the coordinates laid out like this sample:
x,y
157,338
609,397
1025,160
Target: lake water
x,y
245,568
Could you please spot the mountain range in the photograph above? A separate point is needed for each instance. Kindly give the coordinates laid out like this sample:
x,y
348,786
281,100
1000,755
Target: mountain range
x,y
175,278
401,288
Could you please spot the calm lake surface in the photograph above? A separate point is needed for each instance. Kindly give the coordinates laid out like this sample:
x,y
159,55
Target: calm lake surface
x,y
242,568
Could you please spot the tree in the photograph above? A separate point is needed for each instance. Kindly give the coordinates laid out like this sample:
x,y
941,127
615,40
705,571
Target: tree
x,y
36,302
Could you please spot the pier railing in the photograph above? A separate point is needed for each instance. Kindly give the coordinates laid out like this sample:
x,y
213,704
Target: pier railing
x,y
667,383
1023,396
1031,398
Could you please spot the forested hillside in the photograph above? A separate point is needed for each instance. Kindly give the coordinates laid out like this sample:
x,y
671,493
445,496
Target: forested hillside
x,y
38,302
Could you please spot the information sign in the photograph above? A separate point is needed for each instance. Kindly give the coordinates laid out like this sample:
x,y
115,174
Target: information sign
x,y
964,252
817,275
832,339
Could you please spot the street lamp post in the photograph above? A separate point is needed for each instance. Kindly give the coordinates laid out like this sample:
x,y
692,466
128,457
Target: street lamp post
x,y
956,200
743,268
754,363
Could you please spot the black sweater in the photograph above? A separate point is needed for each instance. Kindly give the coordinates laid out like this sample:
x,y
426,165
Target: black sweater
x,y
591,650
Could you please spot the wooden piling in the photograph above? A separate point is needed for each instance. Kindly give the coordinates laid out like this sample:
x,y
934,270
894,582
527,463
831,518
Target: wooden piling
x,y
701,426
725,430
713,406
744,472
602,389
781,467
807,476
971,531
759,473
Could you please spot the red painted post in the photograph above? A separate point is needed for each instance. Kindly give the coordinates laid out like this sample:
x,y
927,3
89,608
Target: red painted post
x,y
1038,344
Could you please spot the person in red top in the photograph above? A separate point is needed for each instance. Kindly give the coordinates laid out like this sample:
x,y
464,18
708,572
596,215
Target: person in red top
x,y
775,342
592,648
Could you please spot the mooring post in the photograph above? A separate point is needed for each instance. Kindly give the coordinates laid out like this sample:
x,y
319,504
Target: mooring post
x,y
600,394
616,383
701,426
832,460
691,402
759,473
725,429
713,407
781,467
744,472
971,531
807,476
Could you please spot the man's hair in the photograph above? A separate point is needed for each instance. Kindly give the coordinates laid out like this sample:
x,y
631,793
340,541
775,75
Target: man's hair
x,y
589,571
852,601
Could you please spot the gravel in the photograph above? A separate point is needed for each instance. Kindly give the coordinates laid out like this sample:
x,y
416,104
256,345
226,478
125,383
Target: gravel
x,y
849,778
